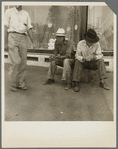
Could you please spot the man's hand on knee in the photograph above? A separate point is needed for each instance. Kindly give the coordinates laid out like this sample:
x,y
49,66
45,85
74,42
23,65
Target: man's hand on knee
x,y
52,58
94,57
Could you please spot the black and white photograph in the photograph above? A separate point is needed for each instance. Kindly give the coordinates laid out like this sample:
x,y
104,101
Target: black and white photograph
x,y
59,64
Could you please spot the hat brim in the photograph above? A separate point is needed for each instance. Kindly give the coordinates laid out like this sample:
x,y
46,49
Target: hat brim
x,y
60,35
91,40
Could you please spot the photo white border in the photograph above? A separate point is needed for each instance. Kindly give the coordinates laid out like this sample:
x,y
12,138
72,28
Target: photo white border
x,y
57,134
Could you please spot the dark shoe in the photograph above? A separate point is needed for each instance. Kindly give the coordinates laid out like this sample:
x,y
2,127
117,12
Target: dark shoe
x,y
68,86
49,81
13,89
76,88
103,85
22,88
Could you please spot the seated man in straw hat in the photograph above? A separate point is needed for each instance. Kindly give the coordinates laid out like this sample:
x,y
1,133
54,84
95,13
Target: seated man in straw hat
x,y
89,56
63,56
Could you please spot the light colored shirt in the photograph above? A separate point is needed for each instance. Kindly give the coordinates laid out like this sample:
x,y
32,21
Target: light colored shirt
x,y
84,51
17,21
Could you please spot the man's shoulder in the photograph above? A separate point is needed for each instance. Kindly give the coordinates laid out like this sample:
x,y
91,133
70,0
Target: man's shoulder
x,y
97,44
81,42
10,10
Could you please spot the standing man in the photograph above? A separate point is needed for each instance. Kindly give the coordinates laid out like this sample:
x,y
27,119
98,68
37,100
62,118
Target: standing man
x,y
63,56
89,56
17,25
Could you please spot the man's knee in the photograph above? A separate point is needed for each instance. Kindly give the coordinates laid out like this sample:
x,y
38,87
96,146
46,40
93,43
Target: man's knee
x,y
77,62
14,60
100,61
53,62
17,61
66,61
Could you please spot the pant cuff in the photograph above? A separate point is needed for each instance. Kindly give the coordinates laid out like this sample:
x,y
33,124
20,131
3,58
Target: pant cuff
x,y
103,77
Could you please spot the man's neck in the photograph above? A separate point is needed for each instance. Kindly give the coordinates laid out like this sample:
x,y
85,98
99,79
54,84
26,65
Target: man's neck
x,y
61,43
88,45
19,9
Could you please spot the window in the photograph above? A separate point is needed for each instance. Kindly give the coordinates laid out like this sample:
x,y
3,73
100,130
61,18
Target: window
x,y
47,19
101,19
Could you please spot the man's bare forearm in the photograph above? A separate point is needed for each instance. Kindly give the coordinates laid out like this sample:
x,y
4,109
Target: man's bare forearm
x,y
30,34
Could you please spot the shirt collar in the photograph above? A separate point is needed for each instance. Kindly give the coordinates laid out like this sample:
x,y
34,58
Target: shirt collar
x,y
16,11
87,45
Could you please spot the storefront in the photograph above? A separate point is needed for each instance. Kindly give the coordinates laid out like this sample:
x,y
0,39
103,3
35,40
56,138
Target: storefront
x,y
47,19
74,19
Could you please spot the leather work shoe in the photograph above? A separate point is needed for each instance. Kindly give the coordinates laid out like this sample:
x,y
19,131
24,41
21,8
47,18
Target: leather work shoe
x,y
103,85
49,81
22,88
68,86
76,88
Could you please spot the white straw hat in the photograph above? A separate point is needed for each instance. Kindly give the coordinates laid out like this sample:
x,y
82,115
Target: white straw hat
x,y
60,32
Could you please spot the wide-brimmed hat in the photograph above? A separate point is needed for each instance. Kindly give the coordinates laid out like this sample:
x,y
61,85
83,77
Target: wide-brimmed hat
x,y
91,36
60,32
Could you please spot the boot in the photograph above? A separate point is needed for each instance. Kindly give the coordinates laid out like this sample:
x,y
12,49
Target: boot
x,y
68,86
76,88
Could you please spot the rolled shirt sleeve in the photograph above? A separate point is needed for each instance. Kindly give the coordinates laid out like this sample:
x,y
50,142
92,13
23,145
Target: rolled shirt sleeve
x,y
29,22
99,54
78,54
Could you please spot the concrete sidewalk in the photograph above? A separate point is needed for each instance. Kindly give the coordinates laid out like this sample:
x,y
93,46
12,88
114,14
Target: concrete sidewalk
x,y
53,103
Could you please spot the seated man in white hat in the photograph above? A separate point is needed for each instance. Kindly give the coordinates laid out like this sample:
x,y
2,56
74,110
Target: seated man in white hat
x,y
63,56
89,56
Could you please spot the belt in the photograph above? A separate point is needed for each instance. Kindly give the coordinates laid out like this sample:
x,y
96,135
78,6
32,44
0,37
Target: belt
x,y
18,33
